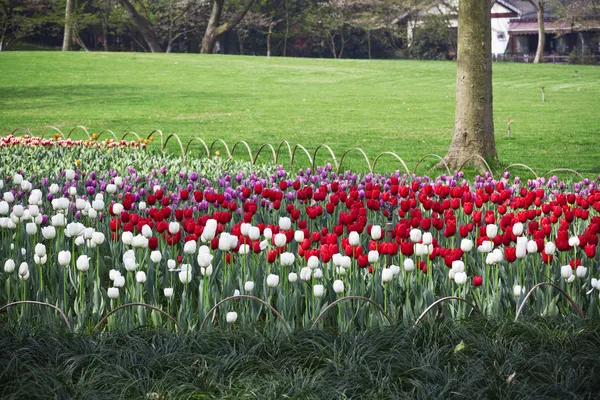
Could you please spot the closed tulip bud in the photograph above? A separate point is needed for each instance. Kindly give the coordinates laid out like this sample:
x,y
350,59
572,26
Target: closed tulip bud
x,y
113,274
140,277
566,271
285,223
427,238
287,259
376,232
4,208
338,286
23,269
58,220
40,250
550,248
142,205
155,256
31,228
386,275
83,263
491,231
113,293
236,293
451,274
189,247
420,249
206,271
204,258
168,292
69,174
409,265
395,269
127,238
8,197
80,204
517,290
79,240
173,228
98,205
231,317
49,232
415,235
272,280
263,245
17,179
337,259
477,280
130,264
119,281
573,241
292,277
318,290
581,271
244,228
98,238
299,236
253,233
466,245
318,273
532,247
9,266
268,233
460,278
34,210
54,188
64,258
571,278
26,186
517,229
244,249
345,262
249,286
118,181
458,266
280,240
313,262
171,264
521,251
185,275
147,231
353,239
373,256
305,274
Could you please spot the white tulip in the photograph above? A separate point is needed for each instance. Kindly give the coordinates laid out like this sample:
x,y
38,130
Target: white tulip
x,y
550,248
173,227
280,240
49,232
338,286
83,263
204,259
130,264
26,186
17,179
376,232
9,266
318,273
409,265
98,238
305,274
466,245
69,174
64,258
518,290
345,262
155,256
373,256
427,238
571,278
313,262
353,238
337,259
23,269
517,229
147,231
8,197
495,257
4,207
386,275
253,233
249,286
292,277
118,181
189,247
491,231
285,223
458,266
566,271
263,244
244,249
140,277
171,264
581,271
127,238
58,220
272,280
268,233
318,290
40,260
298,235
244,228
113,274
460,278
34,211
168,292
486,247
185,275
40,250
415,235
395,269
231,317
18,210
113,293
420,249
532,247
286,259
206,271
451,274
54,188
142,205
79,240
73,191
521,252
574,241
80,204
98,205
119,281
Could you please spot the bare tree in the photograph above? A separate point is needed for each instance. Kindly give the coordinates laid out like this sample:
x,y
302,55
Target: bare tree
x,y
67,37
473,122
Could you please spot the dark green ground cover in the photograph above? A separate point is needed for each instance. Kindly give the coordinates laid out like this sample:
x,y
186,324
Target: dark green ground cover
x,y
478,358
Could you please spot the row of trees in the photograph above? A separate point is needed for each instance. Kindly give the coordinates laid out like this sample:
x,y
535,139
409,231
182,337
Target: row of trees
x,y
332,28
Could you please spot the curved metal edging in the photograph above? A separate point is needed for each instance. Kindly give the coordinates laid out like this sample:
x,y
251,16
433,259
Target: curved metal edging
x,y
361,151
482,159
137,304
195,139
350,298
62,135
178,141
247,148
391,153
224,144
305,151
330,152
161,136
436,156
289,149
80,127
563,170
62,314
521,165
131,133
107,131
24,129
473,306
555,286
244,296
260,149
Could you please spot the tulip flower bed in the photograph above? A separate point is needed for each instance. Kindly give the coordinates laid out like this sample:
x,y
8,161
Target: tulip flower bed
x,y
216,243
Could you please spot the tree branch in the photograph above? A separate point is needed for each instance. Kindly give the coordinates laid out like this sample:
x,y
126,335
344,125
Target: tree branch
x,y
233,21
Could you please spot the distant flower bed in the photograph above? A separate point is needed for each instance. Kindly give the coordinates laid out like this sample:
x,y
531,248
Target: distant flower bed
x,y
88,230
34,141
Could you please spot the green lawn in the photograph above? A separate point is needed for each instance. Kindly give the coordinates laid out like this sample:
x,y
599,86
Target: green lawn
x,y
403,106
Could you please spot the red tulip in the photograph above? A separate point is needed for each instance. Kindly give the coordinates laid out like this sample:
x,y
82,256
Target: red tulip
x,y
477,280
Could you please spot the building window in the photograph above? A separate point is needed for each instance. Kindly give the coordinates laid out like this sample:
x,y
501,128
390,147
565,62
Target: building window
x,y
501,36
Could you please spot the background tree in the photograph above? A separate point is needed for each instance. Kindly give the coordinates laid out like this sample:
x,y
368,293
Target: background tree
x,y
67,37
539,5
473,122
214,28
20,18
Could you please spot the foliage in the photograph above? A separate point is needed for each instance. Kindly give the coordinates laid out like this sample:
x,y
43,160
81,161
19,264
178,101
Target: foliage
x,y
434,40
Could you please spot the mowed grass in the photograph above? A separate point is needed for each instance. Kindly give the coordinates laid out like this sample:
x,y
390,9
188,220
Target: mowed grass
x,y
401,106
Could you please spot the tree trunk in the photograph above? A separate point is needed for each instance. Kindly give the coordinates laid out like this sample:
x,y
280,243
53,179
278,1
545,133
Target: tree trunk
x,y
539,53
269,41
369,42
210,36
473,122
287,29
66,46
241,42
143,26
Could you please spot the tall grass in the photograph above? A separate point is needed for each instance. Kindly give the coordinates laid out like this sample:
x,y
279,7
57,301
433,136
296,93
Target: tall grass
x,y
478,358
